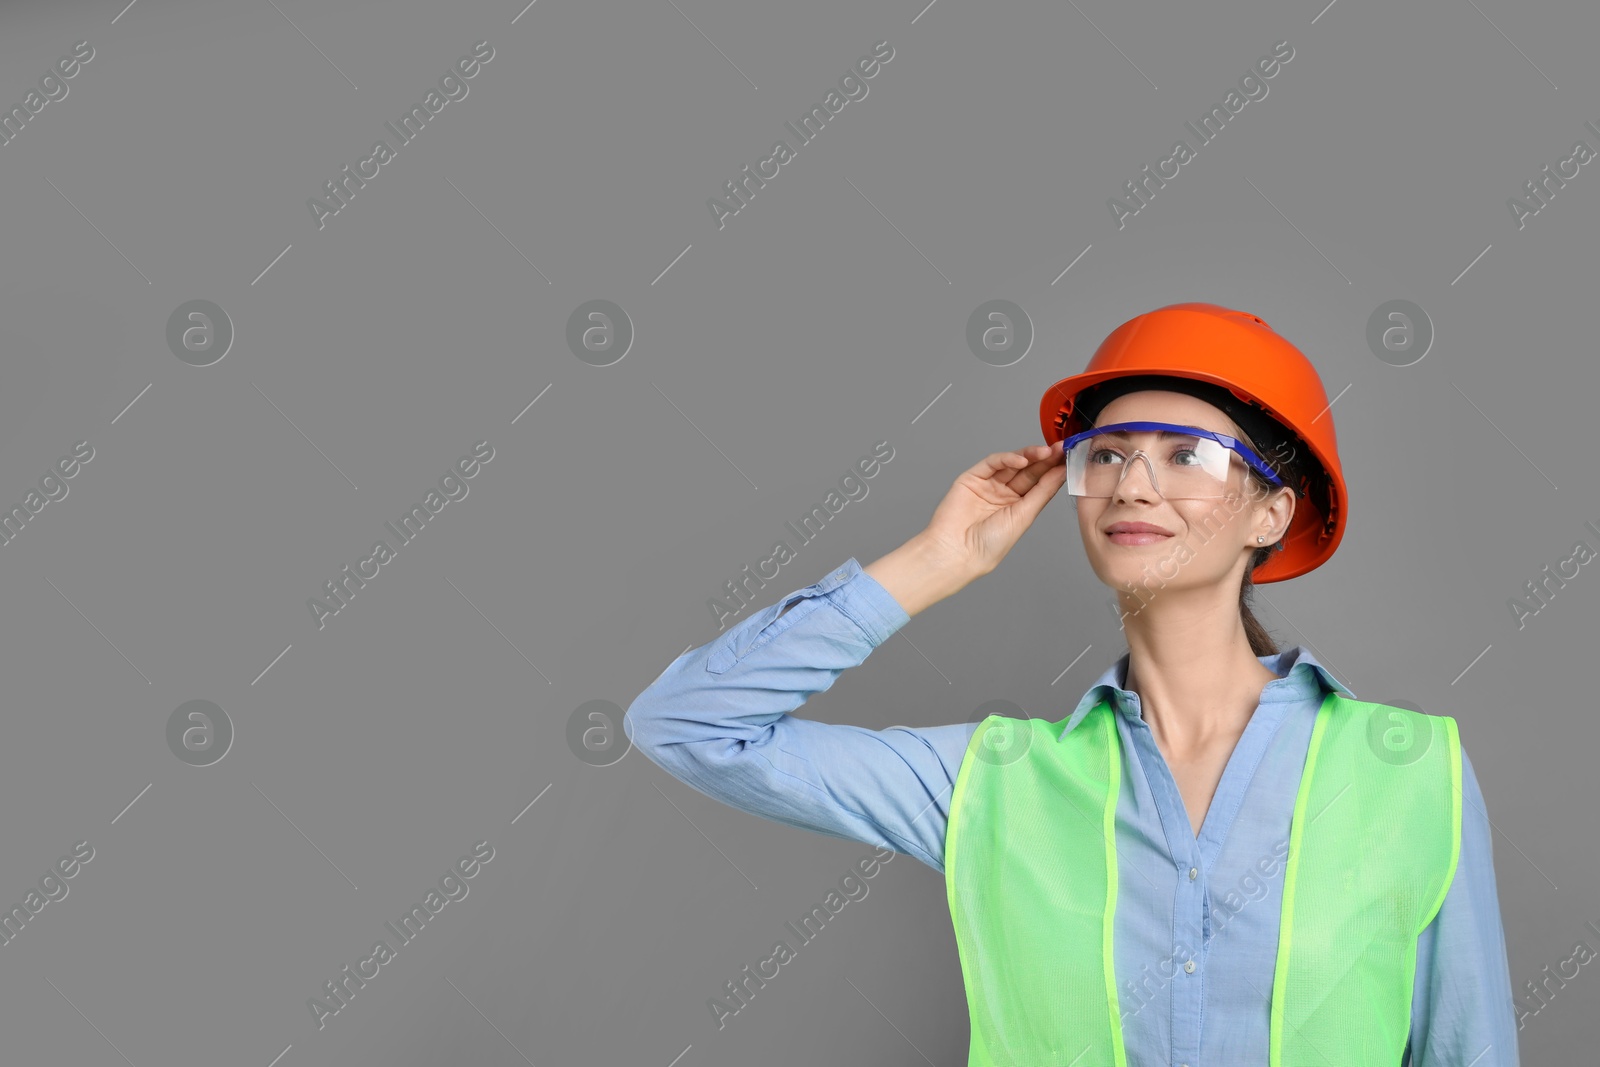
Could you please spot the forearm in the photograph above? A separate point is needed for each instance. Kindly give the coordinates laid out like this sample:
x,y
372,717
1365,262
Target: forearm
x,y
919,574
718,719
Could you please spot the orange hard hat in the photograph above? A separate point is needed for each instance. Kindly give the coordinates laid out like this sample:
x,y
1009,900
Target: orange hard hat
x,y
1242,354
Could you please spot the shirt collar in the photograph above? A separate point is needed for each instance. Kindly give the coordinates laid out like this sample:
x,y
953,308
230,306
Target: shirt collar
x,y
1300,677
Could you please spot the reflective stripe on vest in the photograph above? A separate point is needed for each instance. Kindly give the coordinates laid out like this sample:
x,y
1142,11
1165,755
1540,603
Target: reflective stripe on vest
x,y
1031,879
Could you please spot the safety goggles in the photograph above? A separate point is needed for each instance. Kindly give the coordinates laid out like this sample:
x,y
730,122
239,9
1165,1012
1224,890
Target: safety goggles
x,y
1187,463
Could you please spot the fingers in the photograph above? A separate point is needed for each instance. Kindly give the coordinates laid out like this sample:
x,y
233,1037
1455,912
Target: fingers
x,y
995,461
1002,462
1048,454
1039,492
1024,480
1030,464
1015,474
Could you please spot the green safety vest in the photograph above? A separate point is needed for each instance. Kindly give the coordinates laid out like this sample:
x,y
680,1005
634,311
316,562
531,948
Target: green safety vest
x,y
1031,877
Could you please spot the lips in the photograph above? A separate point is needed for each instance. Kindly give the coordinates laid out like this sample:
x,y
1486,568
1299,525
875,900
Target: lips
x,y
1136,533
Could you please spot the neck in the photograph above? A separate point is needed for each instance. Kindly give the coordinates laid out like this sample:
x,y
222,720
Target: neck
x,y
1190,662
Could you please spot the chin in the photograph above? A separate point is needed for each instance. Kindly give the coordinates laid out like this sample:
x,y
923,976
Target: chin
x,y
1119,565
1119,574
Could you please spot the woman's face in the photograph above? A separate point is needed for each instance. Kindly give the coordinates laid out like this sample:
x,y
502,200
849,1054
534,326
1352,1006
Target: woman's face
x,y
1209,541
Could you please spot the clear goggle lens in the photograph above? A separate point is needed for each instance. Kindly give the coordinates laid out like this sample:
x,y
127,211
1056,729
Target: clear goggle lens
x,y
1184,463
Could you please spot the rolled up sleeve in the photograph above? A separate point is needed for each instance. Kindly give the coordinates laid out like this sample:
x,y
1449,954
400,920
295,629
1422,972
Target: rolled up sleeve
x,y
718,718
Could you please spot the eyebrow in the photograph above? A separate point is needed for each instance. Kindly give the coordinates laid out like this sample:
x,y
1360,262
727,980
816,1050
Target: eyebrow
x,y
1158,433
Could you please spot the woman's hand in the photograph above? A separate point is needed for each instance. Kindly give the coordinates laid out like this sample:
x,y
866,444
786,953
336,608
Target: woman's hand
x,y
993,502
977,523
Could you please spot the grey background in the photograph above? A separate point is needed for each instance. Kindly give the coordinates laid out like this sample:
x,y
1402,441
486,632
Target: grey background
x,y
774,353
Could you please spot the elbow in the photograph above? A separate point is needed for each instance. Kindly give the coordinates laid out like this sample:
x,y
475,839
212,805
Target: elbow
x,y
644,724
646,719
649,725
636,723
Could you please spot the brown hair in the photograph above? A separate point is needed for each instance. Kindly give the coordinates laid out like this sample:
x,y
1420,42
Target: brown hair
x,y
1284,457
1261,642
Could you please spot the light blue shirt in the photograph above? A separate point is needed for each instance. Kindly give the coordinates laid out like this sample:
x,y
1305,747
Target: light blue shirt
x,y
718,719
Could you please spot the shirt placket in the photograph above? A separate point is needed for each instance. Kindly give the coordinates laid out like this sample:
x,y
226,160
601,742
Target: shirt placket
x,y
1184,971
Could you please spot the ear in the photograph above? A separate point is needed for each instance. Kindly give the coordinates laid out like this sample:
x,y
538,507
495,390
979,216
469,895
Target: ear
x,y
1278,513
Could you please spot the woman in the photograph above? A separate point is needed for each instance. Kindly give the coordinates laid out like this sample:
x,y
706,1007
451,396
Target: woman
x,y
1220,857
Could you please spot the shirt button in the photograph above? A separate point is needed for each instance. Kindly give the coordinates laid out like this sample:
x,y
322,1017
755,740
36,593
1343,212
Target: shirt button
x,y
1192,872
1188,965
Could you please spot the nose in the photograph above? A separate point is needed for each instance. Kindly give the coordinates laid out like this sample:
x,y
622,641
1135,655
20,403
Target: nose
x,y
1137,481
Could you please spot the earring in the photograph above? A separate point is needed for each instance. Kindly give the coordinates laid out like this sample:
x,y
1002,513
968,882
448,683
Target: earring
x,y
1260,540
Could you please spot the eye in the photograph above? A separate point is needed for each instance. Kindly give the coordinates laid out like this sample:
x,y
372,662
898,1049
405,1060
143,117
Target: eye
x,y
1095,452
1187,452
